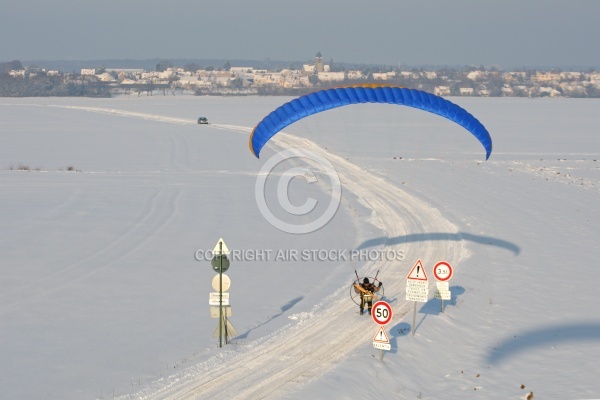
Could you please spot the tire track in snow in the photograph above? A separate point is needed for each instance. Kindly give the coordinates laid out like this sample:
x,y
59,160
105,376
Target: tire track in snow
x,y
134,114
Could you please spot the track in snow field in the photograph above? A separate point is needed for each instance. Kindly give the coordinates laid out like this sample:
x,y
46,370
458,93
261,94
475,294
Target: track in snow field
x,y
286,360
150,117
157,212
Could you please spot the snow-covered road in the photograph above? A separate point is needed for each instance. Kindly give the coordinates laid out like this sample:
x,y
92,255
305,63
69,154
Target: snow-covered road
x,y
290,358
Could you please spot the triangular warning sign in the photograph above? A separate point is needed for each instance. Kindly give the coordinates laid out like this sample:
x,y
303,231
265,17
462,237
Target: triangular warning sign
x,y
381,336
221,247
417,272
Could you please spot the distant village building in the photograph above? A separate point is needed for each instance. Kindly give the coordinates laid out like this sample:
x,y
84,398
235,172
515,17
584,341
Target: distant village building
x,y
128,82
594,78
430,74
266,78
540,77
319,66
150,75
106,77
331,76
441,91
129,71
476,75
192,83
573,90
91,71
466,91
409,75
17,73
219,78
549,91
507,90
169,73
242,70
571,75
514,76
355,75
294,79
383,76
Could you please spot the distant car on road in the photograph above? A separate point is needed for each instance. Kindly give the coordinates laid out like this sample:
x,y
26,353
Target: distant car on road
x,y
202,120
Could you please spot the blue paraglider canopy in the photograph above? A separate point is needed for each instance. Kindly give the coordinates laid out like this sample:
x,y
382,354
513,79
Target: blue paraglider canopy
x,y
323,100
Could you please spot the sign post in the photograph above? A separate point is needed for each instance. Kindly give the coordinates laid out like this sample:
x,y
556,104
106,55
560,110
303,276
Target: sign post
x,y
443,272
417,288
220,263
382,314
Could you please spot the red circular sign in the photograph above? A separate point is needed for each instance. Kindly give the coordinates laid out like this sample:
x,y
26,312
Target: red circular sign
x,y
442,271
381,312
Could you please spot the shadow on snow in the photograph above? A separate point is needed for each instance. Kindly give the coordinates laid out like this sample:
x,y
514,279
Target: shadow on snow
x,y
439,236
283,309
432,306
544,337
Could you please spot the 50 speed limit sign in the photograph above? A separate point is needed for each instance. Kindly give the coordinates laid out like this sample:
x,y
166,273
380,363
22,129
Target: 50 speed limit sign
x,y
381,313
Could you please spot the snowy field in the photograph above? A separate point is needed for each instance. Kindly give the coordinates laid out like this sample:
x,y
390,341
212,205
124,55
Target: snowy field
x,y
107,203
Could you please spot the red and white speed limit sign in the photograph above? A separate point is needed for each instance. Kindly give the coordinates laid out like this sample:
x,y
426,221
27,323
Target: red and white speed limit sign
x,y
381,312
442,271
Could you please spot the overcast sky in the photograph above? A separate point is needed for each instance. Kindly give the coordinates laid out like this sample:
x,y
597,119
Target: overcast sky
x,y
518,33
